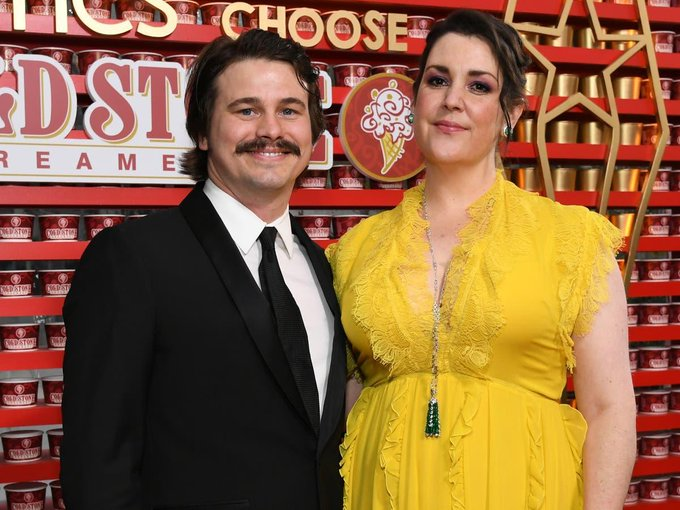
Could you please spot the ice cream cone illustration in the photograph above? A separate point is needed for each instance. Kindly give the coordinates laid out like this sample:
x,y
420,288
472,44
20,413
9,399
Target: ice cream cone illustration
x,y
391,151
386,119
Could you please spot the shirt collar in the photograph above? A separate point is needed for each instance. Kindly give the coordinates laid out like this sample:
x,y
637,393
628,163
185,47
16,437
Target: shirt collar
x,y
243,224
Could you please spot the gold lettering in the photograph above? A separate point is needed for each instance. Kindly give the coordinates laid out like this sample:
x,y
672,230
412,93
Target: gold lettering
x,y
19,15
396,26
278,21
375,39
229,12
355,32
97,26
163,30
60,17
318,27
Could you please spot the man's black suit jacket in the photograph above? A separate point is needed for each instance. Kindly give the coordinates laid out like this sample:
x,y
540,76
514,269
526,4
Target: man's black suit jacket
x,y
178,394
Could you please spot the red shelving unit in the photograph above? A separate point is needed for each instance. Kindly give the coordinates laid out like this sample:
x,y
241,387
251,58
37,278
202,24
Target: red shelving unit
x,y
652,422
12,195
42,250
643,378
646,467
39,414
653,289
31,360
44,468
36,305
668,504
656,377
190,38
653,333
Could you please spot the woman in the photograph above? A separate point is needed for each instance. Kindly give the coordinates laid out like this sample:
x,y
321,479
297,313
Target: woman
x,y
465,304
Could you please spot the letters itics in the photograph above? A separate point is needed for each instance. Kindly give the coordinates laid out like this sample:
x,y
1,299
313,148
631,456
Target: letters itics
x,y
284,23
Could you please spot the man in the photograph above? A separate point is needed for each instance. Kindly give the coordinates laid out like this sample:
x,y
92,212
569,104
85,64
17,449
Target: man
x,y
193,379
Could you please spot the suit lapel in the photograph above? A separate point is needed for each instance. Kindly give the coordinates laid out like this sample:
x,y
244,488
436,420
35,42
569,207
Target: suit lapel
x,y
334,402
232,270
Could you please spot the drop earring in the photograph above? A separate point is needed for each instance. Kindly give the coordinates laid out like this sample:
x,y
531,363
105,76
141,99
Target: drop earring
x,y
507,131
410,118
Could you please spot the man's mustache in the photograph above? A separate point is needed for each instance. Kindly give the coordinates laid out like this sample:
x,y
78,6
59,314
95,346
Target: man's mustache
x,y
264,143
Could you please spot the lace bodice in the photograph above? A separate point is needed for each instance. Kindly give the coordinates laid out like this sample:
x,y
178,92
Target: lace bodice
x,y
527,277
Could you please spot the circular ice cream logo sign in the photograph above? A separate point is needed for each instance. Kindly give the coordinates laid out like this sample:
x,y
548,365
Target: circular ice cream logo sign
x,y
62,278
108,222
15,221
20,333
375,131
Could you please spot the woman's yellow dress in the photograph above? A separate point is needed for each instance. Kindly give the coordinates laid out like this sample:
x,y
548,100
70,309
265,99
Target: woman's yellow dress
x,y
527,277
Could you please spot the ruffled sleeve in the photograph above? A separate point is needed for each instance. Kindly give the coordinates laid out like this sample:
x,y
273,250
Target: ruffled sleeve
x,y
588,245
605,241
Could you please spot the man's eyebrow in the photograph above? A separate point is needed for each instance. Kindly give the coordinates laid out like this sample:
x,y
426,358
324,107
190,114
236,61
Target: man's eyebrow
x,y
243,101
293,100
254,101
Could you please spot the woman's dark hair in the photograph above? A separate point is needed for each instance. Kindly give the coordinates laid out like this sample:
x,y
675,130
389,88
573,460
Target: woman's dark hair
x,y
504,42
201,91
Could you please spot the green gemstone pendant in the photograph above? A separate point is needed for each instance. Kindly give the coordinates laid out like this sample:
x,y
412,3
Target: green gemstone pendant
x,y
432,428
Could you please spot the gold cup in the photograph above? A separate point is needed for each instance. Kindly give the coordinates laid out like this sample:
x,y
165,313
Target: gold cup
x,y
593,132
592,86
585,38
625,179
589,178
631,133
531,37
624,221
627,87
563,131
623,45
528,178
565,85
564,39
564,178
535,85
526,130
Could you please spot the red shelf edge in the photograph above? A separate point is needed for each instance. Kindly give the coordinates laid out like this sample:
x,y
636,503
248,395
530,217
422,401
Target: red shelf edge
x,y
649,466
40,414
31,360
30,306
45,468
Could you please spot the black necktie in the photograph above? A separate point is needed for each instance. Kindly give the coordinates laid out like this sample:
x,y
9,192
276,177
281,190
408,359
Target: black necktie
x,y
289,323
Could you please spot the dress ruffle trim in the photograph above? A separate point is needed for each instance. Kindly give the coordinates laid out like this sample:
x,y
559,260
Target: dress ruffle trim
x,y
462,427
536,479
390,453
355,421
585,267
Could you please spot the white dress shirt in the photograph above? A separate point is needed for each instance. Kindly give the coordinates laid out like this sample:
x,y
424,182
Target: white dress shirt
x,y
245,227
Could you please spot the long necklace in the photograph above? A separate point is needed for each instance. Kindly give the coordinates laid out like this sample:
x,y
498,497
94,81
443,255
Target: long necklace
x,y
432,422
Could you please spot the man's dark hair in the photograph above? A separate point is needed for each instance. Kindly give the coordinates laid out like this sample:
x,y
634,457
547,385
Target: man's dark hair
x,y
201,90
504,42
